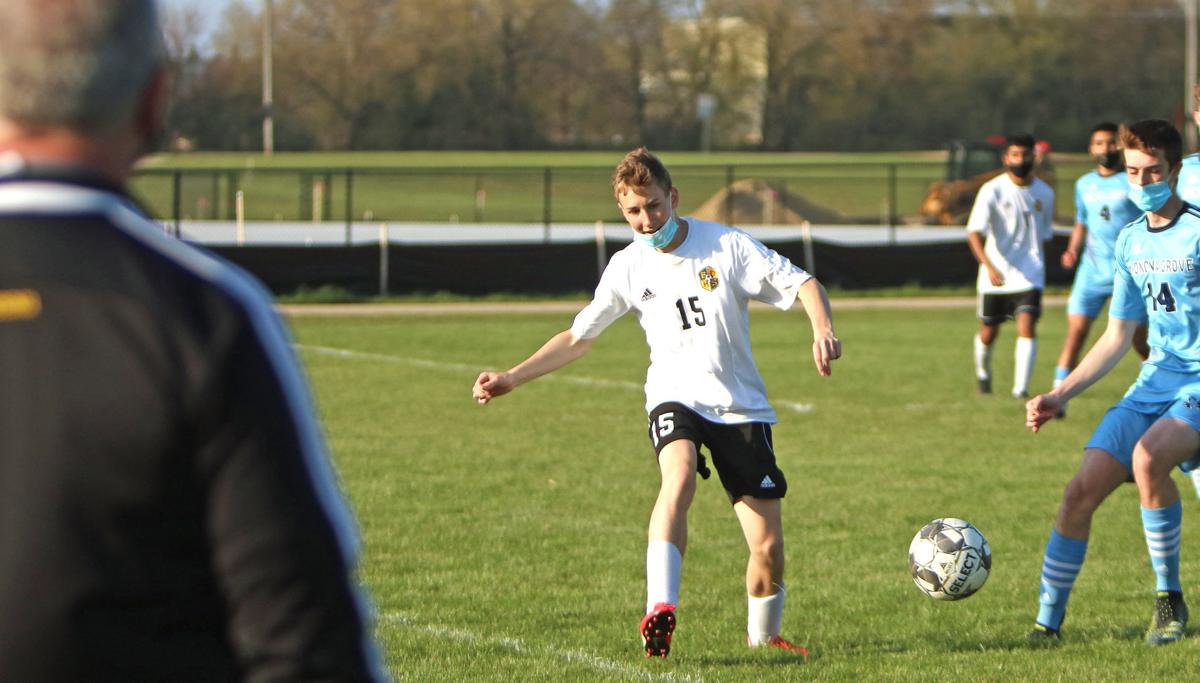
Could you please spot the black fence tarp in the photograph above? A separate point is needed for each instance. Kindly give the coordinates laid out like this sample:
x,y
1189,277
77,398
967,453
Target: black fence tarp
x,y
569,268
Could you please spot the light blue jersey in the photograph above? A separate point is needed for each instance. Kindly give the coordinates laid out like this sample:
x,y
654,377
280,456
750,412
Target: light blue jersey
x,y
1102,204
1188,187
1157,276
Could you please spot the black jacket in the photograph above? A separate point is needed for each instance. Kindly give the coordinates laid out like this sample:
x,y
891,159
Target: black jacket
x,y
167,508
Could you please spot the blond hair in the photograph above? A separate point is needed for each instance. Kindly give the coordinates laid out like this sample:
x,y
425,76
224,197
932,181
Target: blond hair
x,y
640,168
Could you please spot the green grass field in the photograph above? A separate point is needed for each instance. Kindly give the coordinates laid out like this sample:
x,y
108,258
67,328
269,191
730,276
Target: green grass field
x,y
506,542
510,187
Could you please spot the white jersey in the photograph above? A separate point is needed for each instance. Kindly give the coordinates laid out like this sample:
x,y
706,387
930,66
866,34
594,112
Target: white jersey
x,y
693,305
1017,221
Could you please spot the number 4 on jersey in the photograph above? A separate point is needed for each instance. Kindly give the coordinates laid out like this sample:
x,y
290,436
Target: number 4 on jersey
x,y
1164,297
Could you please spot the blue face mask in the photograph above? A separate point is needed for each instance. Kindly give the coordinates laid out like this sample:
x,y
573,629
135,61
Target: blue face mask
x,y
662,237
1150,197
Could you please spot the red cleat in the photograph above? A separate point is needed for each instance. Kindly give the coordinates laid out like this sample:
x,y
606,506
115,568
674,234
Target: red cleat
x,y
656,629
776,641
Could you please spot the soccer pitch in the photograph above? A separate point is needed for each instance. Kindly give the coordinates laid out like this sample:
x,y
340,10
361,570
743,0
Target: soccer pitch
x,y
507,542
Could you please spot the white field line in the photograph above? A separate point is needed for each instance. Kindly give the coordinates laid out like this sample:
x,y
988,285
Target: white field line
x,y
461,367
572,307
581,658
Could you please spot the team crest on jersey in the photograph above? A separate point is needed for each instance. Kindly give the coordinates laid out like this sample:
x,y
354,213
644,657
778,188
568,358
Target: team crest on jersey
x,y
1037,205
19,304
708,278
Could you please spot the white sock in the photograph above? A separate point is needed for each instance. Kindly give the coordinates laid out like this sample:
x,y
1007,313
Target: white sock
x,y
1026,354
983,359
1195,475
664,564
764,617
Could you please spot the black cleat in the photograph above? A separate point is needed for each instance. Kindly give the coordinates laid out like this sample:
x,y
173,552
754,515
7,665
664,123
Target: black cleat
x,y
1170,619
983,386
1043,636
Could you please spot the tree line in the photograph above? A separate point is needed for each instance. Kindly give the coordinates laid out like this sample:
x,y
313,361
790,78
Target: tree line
x,y
779,75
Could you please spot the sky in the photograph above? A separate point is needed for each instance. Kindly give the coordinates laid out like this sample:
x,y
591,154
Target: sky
x,y
210,10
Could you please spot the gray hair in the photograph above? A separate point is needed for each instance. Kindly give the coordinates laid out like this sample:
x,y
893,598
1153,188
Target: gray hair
x,y
79,64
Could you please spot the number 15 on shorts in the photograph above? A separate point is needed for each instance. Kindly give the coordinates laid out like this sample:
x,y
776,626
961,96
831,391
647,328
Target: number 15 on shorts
x,y
662,427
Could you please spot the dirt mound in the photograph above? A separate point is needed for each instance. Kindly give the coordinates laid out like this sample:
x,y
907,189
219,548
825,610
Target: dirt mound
x,y
758,202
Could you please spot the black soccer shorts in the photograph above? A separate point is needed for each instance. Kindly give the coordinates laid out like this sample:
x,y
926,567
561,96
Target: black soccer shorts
x,y
742,453
994,309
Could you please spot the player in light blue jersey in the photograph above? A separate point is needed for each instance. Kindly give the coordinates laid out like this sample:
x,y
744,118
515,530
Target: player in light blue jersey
x,y
1188,189
1189,178
1102,209
1156,426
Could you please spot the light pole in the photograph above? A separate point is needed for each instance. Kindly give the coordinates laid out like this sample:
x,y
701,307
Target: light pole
x,y
1189,72
267,96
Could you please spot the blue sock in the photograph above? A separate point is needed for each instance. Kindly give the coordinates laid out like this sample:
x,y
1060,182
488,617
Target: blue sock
x,y
1061,564
1162,527
1060,373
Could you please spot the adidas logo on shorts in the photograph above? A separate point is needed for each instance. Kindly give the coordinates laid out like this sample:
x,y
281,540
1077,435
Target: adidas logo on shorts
x,y
767,483
647,295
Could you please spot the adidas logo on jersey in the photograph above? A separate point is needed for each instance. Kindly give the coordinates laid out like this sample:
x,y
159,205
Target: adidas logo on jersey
x,y
767,483
647,295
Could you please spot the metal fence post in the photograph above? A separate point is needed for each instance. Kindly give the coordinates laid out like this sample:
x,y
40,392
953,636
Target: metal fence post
x,y
810,262
783,200
327,199
480,197
546,189
231,188
349,204
303,201
177,199
214,212
729,194
892,204
383,259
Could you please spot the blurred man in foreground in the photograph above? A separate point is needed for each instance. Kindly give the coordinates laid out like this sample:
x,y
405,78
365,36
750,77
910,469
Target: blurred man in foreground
x,y
167,509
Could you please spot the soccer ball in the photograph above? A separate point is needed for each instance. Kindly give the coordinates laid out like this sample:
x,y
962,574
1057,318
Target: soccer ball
x,y
949,559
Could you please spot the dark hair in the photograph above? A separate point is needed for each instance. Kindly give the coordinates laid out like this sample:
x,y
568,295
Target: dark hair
x,y
1019,140
1106,126
640,168
1152,136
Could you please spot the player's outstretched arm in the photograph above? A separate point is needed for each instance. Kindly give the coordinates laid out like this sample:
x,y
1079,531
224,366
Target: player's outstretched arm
x,y
826,346
561,349
1102,357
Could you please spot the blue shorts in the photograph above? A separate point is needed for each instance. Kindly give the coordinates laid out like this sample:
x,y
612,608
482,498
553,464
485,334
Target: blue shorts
x,y
1156,394
1087,301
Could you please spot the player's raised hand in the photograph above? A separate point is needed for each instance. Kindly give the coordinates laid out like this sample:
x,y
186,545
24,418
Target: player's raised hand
x,y
826,349
490,384
1040,409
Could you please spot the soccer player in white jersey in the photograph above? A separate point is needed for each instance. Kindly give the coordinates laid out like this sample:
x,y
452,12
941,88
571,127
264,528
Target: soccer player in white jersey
x,y
1156,426
688,282
1102,209
1008,225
